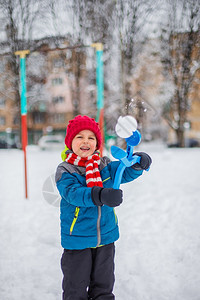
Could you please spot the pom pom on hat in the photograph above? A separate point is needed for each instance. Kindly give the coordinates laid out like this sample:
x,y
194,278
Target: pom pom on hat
x,y
80,123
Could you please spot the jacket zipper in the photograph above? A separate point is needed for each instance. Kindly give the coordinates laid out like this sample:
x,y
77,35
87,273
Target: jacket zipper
x,y
116,221
98,224
98,227
75,219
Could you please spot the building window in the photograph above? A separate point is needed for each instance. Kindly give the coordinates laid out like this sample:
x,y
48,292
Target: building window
x,y
2,66
58,63
68,54
58,118
57,81
16,120
58,99
38,117
2,120
2,85
2,103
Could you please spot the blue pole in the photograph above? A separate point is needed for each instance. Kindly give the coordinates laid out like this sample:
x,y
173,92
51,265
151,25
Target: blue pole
x,y
100,83
100,89
99,78
23,85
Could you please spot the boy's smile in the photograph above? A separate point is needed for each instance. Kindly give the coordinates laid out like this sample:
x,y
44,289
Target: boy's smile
x,y
84,143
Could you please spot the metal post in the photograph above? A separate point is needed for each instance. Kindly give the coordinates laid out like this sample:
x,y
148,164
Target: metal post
x,y
22,55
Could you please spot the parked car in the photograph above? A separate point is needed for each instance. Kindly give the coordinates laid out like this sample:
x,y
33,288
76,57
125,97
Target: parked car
x,y
5,145
189,143
51,142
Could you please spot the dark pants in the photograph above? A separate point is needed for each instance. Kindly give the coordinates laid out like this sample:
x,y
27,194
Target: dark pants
x,y
88,273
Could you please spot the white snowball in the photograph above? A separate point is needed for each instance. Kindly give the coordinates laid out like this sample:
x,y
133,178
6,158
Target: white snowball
x,y
125,126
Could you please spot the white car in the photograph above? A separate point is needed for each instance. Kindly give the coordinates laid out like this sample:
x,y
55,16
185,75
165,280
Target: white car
x,y
51,142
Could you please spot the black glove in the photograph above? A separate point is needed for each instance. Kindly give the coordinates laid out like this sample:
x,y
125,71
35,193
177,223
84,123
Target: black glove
x,y
107,196
145,161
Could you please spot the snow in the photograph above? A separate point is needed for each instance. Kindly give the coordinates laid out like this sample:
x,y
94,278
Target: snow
x,y
157,255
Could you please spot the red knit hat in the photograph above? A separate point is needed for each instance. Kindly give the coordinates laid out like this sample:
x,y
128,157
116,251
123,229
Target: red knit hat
x,y
80,123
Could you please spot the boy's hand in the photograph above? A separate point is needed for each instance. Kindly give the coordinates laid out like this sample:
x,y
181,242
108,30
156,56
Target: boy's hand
x,y
145,161
107,196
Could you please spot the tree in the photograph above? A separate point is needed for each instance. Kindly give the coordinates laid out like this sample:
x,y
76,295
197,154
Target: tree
x,y
181,57
93,22
20,18
131,16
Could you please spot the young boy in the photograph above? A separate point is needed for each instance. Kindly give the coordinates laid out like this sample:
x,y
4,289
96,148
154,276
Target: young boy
x,y
89,225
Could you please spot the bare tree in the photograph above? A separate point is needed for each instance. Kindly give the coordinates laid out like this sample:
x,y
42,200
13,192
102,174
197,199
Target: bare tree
x,y
92,22
181,56
20,18
131,16
73,11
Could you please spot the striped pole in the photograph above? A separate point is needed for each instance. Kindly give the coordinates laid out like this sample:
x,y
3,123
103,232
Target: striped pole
x,y
100,89
22,55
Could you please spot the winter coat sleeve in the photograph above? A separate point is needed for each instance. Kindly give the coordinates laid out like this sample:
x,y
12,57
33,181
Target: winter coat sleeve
x,y
129,174
73,191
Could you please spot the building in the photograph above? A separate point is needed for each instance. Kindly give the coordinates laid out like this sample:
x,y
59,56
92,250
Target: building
x,y
57,89
153,93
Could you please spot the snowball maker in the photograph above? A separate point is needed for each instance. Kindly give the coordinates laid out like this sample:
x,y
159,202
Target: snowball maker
x,y
134,139
125,126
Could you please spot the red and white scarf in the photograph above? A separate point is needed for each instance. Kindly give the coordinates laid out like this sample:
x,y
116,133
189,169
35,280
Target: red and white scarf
x,y
91,163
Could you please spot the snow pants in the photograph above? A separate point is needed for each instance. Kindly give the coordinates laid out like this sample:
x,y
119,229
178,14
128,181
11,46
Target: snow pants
x,y
88,273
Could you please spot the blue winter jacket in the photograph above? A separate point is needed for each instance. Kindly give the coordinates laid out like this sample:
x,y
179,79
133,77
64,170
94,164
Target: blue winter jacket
x,y
83,224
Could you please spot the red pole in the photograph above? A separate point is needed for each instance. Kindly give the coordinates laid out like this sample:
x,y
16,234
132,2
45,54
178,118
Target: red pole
x,y
24,144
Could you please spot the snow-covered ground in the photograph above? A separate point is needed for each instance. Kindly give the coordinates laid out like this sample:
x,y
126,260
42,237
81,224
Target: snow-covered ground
x,y
157,255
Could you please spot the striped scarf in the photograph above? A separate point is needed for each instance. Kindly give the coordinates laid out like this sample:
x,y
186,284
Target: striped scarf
x,y
91,163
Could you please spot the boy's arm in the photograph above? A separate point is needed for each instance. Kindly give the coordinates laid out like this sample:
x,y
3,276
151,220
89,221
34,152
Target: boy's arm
x,y
73,191
133,172
144,164
129,174
75,194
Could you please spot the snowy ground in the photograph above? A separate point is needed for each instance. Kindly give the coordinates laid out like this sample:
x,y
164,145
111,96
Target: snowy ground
x,y
157,256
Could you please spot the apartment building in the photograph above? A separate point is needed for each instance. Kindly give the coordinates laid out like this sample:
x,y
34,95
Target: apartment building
x,y
152,91
56,90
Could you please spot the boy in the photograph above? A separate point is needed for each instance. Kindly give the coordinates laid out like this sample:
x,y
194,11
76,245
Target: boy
x,y
89,225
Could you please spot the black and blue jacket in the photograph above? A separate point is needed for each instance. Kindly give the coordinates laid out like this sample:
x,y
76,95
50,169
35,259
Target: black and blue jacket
x,y
83,224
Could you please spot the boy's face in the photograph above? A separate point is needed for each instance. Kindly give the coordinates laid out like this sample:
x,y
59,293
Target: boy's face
x,y
84,143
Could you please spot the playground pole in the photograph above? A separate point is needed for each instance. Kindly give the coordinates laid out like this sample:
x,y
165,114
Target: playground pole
x,y
100,89
22,55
